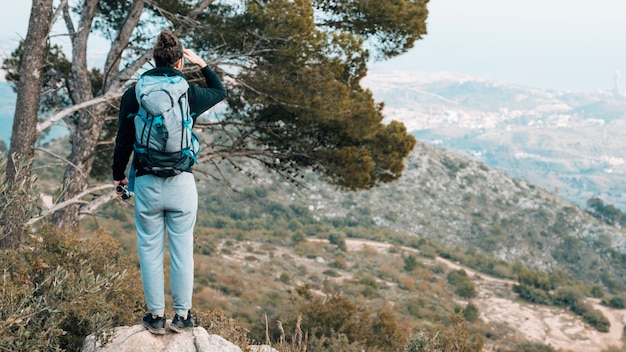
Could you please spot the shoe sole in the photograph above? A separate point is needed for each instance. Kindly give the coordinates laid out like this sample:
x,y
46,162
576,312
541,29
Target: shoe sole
x,y
160,331
179,329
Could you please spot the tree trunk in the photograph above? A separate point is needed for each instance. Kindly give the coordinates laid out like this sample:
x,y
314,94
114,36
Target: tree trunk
x,y
24,133
87,125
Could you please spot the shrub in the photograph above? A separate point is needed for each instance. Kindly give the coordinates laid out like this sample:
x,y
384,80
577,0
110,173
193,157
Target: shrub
x,y
452,337
616,302
330,317
339,263
285,278
338,240
216,322
423,341
592,316
470,313
597,292
298,237
567,296
464,285
410,263
532,295
61,289
534,279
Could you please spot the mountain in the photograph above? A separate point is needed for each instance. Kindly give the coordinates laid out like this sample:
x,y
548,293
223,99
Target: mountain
x,y
462,203
570,143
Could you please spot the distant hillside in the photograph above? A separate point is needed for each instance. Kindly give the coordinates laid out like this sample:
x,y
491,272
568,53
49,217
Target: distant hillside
x,y
568,142
445,198
458,202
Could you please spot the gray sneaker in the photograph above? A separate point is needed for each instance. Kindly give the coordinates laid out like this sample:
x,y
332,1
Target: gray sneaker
x,y
179,325
154,325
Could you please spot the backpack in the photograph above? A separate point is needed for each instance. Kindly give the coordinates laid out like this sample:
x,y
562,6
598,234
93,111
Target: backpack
x,y
165,144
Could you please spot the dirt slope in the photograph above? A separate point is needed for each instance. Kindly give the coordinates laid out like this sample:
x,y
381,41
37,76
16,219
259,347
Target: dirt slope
x,y
556,327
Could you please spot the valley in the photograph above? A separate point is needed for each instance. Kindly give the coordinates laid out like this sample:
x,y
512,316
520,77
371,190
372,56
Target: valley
x,y
571,143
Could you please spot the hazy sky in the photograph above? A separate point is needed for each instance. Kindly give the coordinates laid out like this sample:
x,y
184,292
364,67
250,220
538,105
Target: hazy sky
x,y
562,44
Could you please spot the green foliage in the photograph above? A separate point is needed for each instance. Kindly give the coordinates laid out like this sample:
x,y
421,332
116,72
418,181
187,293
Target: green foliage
x,y
464,285
568,296
470,313
616,301
597,291
534,279
285,278
298,237
479,261
61,289
607,213
532,295
591,316
410,263
55,76
338,240
399,22
302,105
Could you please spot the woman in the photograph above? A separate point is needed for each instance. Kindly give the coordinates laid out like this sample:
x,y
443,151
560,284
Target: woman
x,y
164,202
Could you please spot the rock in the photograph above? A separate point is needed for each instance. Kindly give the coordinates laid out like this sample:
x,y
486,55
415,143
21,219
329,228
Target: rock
x,y
137,338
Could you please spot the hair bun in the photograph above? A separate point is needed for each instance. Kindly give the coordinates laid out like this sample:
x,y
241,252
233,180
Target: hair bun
x,y
167,40
167,50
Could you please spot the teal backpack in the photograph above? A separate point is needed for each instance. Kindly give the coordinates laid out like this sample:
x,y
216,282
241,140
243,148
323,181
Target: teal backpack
x,y
165,144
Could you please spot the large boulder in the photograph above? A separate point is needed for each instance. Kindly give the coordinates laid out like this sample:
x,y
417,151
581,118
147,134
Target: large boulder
x,y
137,338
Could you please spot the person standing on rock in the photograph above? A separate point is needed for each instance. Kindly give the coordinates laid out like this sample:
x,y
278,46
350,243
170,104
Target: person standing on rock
x,y
161,109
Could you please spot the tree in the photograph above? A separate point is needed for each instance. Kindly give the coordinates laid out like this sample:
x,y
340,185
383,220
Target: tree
x,y
24,133
410,263
293,71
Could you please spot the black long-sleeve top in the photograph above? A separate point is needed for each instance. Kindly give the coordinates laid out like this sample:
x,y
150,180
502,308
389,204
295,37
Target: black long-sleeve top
x,y
200,100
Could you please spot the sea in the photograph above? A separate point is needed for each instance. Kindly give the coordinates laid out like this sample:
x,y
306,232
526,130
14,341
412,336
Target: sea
x,y
7,111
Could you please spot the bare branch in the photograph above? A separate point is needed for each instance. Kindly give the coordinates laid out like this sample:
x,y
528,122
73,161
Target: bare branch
x,y
121,79
201,6
185,19
75,200
57,13
69,24
93,206
65,112
112,62
63,159
129,71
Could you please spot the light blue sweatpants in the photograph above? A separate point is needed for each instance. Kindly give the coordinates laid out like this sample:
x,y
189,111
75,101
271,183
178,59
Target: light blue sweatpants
x,y
162,203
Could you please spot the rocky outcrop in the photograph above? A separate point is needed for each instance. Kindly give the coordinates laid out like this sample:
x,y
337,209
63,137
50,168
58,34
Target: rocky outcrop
x,y
137,338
